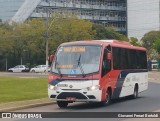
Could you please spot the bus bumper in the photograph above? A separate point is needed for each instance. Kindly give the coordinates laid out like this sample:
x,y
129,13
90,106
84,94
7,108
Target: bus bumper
x,y
75,96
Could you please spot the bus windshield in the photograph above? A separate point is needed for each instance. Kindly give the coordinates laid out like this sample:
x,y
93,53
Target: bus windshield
x,y
77,60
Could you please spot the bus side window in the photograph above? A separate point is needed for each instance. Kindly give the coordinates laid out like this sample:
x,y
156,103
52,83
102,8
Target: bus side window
x,y
106,64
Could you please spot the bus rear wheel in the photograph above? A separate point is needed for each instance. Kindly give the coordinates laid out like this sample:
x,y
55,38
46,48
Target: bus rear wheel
x,y
135,93
62,104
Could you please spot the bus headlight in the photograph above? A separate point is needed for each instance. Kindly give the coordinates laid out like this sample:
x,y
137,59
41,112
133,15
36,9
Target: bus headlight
x,y
52,87
94,87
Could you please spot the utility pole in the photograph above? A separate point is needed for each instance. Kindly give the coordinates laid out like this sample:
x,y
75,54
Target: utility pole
x,y
48,26
47,36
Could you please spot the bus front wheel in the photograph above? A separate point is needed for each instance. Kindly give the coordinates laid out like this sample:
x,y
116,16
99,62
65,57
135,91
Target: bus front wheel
x,y
108,98
62,104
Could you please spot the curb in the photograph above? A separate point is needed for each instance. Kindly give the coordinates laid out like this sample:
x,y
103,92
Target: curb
x,y
154,80
24,106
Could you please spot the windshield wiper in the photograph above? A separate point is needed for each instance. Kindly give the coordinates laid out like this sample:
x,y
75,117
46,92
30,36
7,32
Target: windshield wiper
x,y
59,72
80,66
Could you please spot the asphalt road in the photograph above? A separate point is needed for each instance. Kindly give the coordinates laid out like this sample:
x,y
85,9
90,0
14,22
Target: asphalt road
x,y
148,101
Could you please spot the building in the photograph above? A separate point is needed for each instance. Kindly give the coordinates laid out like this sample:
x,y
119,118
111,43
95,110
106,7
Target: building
x,y
8,8
142,16
106,12
131,17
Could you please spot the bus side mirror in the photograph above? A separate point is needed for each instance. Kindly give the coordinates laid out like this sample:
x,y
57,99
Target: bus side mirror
x,y
51,58
108,56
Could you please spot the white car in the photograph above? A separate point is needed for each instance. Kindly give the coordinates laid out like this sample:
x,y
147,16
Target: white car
x,y
39,68
19,68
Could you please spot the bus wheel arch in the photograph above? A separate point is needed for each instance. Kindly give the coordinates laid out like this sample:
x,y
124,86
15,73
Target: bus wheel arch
x,y
108,94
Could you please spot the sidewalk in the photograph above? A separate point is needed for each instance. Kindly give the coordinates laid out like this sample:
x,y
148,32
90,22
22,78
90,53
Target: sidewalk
x,y
153,76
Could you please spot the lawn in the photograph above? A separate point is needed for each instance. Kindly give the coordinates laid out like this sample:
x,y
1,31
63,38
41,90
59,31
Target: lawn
x,y
20,89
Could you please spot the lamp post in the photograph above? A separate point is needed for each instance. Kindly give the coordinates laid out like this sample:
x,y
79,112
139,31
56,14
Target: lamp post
x,y
47,36
47,33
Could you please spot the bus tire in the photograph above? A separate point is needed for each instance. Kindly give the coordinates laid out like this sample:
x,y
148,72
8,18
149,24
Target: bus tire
x,y
108,98
62,104
135,93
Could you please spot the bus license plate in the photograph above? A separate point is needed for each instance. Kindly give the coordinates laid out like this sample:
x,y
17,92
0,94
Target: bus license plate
x,y
71,98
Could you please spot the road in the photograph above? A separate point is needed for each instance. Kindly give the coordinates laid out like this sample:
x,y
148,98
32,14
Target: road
x,y
148,101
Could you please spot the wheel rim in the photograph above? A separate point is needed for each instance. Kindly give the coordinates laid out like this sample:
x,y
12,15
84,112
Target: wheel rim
x,y
107,97
136,93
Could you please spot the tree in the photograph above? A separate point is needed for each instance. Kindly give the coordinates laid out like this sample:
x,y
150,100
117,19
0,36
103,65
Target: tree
x,y
148,41
100,31
112,34
68,28
5,47
134,41
27,40
157,46
107,33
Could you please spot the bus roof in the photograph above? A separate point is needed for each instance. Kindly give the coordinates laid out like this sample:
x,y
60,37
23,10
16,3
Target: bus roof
x,y
113,43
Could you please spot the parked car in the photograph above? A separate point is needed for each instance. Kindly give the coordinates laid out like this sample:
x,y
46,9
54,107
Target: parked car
x,y
39,68
19,68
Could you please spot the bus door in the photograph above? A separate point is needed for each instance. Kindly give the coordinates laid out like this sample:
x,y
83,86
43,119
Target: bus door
x,y
106,75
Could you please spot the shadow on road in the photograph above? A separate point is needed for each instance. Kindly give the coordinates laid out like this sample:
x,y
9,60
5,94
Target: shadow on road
x,y
94,105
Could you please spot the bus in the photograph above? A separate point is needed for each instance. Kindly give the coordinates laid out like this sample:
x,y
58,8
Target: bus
x,y
97,71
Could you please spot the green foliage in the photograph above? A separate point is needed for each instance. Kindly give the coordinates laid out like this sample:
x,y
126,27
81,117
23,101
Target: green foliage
x,y
134,41
112,34
27,41
67,28
148,41
107,33
157,45
100,31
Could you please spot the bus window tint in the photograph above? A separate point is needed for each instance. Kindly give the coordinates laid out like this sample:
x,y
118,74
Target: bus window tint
x,y
129,59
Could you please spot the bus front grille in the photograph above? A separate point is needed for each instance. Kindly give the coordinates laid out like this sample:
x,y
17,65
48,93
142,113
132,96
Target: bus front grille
x,y
77,95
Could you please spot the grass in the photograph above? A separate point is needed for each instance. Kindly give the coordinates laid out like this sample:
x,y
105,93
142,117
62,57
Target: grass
x,y
20,89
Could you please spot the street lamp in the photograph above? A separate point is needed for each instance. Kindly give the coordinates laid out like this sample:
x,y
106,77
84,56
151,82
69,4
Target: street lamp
x,y
47,37
47,31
